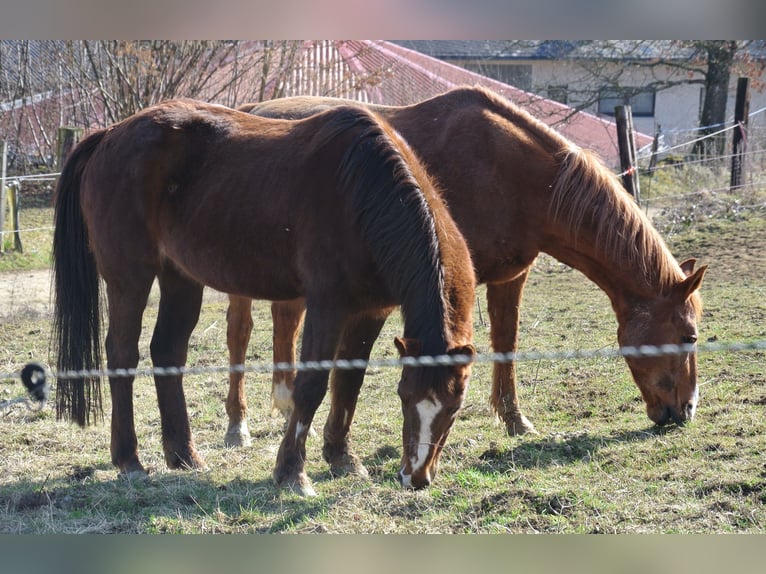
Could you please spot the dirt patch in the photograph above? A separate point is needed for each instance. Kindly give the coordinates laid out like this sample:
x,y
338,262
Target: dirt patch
x,y
25,292
29,292
696,229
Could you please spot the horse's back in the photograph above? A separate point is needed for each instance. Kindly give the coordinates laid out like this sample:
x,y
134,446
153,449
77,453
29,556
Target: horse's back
x,y
473,142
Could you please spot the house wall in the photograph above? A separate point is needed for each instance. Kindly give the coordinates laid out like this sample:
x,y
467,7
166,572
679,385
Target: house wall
x,y
676,109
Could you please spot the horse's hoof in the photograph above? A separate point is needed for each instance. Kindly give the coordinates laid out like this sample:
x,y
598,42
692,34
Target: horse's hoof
x,y
133,473
191,461
301,485
348,464
134,476
238,435
520,425
237,439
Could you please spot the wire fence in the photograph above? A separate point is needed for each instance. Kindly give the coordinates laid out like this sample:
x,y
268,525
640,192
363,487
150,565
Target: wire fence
x,y
681,140
422,361
680,149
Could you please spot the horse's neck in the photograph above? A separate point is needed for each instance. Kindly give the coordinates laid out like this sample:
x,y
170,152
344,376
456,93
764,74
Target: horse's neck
x,y
619,281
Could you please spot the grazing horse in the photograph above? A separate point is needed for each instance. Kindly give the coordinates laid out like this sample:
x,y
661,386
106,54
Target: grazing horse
x,y
334,209
516,188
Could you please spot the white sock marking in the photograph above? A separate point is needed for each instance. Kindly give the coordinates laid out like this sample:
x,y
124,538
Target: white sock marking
x,y
281,398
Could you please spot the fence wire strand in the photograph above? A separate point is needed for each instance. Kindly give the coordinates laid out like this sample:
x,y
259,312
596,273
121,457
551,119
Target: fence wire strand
x,y
424,361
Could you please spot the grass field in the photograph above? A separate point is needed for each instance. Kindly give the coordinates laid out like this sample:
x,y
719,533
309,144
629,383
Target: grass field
x,y
598,465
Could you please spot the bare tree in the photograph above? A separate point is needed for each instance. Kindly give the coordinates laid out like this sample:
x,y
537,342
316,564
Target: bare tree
x,y
718,58
112,80
27,78
96,83
604,65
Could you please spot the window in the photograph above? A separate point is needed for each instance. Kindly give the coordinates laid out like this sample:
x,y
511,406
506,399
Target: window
x,y
559,94
517,75
641,103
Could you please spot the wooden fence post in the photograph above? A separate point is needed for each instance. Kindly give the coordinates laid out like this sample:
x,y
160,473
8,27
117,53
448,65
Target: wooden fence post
x,y
11,192
627,147
67,139
739,139
655,147
14,204
3,154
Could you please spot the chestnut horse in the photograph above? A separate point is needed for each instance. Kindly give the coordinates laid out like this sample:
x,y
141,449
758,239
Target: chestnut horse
x,y
517,188
334,209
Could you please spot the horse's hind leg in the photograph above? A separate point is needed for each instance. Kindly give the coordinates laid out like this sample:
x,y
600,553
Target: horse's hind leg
x,y
239,325
356,343
180,303
127,300
503,302
287,317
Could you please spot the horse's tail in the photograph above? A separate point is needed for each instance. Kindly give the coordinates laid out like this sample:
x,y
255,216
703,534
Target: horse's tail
x,y
77,320
386,182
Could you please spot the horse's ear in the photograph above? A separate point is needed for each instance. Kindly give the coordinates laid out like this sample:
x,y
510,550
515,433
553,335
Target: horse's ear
x,y
685,288
469,352
688,266
468,349
408,347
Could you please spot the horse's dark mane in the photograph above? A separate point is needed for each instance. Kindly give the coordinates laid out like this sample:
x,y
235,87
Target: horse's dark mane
x,y
396,221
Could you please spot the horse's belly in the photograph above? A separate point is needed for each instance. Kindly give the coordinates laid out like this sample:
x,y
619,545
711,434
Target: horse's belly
x,y
251,276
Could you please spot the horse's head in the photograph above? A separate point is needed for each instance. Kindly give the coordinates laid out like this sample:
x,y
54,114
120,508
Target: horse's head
x,y
431,398
668,382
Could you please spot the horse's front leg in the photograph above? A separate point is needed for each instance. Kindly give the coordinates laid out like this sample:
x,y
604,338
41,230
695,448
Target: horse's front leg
x,y
321,333
180,303
127,300
239,326
356,343
503,302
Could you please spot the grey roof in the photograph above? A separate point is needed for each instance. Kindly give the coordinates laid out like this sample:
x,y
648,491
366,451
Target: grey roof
x,y
492,49
560,49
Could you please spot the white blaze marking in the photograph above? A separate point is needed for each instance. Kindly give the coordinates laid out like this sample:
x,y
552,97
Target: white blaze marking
x,y
427,411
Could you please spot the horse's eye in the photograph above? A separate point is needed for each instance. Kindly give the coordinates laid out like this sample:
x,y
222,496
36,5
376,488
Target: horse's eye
x,y
689,339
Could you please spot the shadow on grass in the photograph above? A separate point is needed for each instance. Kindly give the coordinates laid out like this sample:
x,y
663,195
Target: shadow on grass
x,y
558,450
159,502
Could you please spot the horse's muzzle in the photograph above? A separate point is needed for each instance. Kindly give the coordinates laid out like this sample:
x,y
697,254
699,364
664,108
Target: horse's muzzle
x,y
681,417
413,482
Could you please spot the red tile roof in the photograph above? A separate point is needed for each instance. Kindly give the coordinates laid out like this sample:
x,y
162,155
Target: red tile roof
x,y
386,73
403,76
